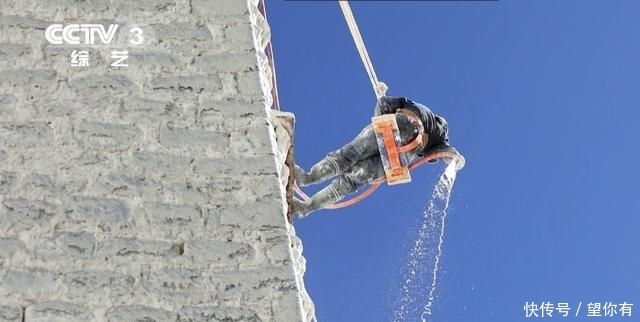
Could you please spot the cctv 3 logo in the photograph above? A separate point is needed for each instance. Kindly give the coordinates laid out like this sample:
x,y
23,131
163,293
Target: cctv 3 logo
x,y
56,34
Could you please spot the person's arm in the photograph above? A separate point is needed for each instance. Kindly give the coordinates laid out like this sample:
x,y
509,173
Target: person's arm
x,y
444,145
389,104
438,138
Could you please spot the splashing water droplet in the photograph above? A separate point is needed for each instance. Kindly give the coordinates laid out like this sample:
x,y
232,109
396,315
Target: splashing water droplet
x,y
426,252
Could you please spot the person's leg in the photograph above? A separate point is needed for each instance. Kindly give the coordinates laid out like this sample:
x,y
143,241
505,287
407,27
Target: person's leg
x,y
362,173
359,162
361,147
325,169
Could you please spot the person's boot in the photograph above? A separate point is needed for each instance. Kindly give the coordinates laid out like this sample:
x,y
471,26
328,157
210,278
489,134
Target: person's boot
x,y
323,198
321,171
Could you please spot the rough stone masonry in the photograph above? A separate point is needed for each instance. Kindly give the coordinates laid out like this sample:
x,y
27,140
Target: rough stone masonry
x,y
147,192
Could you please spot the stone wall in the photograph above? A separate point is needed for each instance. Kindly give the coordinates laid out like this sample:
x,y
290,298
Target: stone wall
x,y
151,192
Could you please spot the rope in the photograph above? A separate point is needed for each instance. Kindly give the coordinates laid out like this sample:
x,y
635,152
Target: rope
x,y
379,88
272,64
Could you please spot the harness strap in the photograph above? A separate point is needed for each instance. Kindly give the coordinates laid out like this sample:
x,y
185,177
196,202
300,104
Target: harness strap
x,y
421,139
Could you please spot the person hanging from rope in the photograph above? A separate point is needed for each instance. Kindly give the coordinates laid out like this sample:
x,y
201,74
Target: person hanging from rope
x,y
359,162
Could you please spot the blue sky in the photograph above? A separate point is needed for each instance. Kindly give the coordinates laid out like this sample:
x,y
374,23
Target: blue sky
x,y
542,98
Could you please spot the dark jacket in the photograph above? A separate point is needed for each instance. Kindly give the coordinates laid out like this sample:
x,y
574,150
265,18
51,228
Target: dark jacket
x,y
435,126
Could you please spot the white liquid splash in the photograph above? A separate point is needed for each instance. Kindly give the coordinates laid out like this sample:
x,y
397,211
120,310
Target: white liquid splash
x,y
426,252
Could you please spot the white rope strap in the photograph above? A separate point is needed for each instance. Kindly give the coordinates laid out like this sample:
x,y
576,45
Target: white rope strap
x,y
380,88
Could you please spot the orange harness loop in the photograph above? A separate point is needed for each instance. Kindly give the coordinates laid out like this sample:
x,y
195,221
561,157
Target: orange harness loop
x,y
421,138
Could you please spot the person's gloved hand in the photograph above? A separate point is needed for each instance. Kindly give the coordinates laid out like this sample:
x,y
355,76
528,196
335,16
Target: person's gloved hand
x,y
383,106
